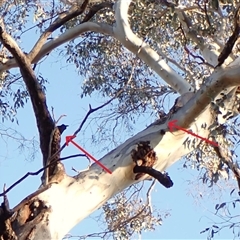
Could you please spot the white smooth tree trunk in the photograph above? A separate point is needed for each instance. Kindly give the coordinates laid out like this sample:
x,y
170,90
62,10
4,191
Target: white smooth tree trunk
x,y
66,201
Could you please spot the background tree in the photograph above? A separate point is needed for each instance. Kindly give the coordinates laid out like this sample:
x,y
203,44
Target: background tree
x,y
134,54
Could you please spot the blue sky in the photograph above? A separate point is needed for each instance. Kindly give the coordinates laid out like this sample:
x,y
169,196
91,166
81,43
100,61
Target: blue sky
x,y
189,213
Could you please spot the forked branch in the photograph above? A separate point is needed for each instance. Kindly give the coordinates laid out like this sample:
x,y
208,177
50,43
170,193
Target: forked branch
x,y
227,50
44,120
75,11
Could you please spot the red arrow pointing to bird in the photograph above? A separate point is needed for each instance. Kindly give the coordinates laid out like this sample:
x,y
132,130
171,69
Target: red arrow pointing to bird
x,y
173,125
70,139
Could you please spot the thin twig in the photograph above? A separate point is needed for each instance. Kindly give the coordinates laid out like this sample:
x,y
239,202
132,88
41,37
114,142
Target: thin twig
x,y
95,9
92,110
194,56
62,147
37,172
63,115
73,156
149,195
206,14
53,116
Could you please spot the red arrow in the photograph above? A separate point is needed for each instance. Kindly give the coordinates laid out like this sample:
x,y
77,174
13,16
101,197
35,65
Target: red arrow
x,y
70,139
173,124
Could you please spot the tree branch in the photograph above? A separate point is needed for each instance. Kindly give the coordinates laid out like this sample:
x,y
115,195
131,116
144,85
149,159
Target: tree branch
x,y
73,156
63,38
71,34
164,179
37,172
124,34
95,9
74,12
227,50
92,110
209,55
53,160
223,154
128,39
40,49
45,123
219,80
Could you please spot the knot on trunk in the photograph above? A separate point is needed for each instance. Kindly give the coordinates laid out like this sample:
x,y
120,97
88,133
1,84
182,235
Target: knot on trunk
x,y
144,158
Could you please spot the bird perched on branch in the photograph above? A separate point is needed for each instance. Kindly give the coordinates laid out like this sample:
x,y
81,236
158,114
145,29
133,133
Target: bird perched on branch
x,y
62,128
53,153
55,141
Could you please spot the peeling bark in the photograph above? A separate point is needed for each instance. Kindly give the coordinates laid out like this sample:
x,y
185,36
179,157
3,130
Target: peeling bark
x,y
155,147
144,158
26,219
6,231
150,152
34,211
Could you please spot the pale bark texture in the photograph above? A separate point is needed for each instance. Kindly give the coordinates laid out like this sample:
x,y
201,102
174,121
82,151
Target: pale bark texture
x,y
63,201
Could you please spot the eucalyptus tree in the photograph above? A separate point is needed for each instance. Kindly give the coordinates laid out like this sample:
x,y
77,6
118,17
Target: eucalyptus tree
x,y
135,53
